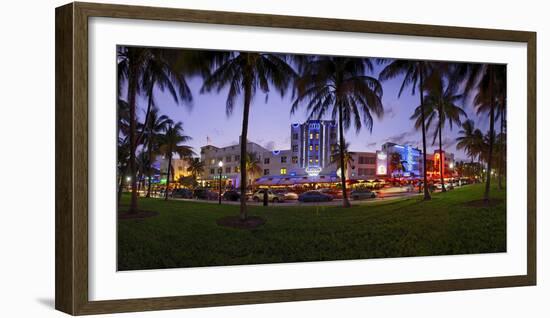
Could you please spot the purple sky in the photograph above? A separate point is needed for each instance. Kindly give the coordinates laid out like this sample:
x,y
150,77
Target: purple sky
x,y
270,120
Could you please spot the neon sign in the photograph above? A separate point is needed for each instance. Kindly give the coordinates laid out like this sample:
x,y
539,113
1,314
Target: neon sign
x,y
313,171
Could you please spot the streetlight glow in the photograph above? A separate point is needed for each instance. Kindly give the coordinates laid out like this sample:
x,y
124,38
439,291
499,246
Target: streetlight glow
x,y
220,164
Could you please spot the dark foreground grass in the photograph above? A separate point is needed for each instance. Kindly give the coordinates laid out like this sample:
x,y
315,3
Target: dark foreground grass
x,y
185,234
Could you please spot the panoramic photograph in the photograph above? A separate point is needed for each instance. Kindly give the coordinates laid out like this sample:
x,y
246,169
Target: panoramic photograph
x,y
242,158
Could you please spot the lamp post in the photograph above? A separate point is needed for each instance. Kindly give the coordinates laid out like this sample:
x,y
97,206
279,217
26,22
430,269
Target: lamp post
x,y
220,165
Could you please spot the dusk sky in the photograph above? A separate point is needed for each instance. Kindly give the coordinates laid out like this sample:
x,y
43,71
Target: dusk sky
x,y
270,120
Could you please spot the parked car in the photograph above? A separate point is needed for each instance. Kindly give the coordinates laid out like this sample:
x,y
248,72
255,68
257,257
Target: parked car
x,y
182,193
448,186
231,195
271,196
361,194
314,196
334,193
288,194
205,194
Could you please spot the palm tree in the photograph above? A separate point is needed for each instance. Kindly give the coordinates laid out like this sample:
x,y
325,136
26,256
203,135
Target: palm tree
x,y
143,69
155,125
348,157
414,74
340,86
130,66
396,162
170,143
196,167
253,167
471,140
487,81
440,103
245,72
158,72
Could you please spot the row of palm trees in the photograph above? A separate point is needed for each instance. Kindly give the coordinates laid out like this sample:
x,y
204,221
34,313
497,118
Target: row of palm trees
x,y
344,88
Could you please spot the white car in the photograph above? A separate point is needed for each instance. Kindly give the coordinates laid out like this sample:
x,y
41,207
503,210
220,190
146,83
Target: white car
x,y
288,194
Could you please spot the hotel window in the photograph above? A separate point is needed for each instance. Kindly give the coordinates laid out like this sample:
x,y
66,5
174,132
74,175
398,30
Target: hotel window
x,y
316,160
237,158
332,147
283,170
331,158
266,161
316,147
228,159
212,171
294,136
283,159
317,136
236,169
310,136
213,161
294,148
310,160
266,172
294,159
310,147
227,169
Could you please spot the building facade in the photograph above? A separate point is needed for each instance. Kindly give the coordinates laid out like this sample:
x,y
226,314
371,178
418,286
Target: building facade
x,y
310,159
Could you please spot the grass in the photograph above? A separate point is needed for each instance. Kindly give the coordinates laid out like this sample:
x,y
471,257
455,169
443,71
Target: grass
x,y
185,234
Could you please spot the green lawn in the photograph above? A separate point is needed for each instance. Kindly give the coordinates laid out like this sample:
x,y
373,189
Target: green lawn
x,y
185,234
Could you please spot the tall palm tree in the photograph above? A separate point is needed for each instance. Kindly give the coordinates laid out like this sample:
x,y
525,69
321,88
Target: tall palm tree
x,y
143,69
440,105
414,74
170,143
246,72
159,72
336,158
485,81
342,87
155,125
253,167
130,66
196,167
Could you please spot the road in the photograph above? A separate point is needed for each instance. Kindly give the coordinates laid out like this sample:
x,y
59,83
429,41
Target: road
x,y
382,195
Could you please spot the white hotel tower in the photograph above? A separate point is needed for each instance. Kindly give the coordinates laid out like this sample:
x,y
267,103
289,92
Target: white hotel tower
x,y
312,144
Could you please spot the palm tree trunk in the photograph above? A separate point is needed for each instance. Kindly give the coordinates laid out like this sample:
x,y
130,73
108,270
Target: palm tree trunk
x,y
244,137
147,114
121,185
168,175
441,163
427,195
132,89
150,164
501,152
345,201
491,136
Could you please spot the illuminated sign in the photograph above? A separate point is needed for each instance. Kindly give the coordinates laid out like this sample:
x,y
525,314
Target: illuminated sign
x,y
313,171
381,163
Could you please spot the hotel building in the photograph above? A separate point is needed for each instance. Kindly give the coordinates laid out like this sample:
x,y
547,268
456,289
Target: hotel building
x,y
310,160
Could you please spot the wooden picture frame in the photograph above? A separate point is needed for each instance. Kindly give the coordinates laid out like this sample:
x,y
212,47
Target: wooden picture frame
x,y
71,122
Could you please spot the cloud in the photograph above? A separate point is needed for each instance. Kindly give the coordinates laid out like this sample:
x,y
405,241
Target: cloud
x,y
389,112
270,145
372,144
406,138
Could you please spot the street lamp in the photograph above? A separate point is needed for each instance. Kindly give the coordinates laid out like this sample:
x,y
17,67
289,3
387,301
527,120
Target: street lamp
x,y
220,165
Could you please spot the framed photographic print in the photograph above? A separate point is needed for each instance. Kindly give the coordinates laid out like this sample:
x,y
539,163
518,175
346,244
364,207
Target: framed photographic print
x,y
217,158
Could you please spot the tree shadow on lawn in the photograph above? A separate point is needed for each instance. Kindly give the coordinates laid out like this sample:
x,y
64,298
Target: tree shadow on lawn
x,y
235,222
